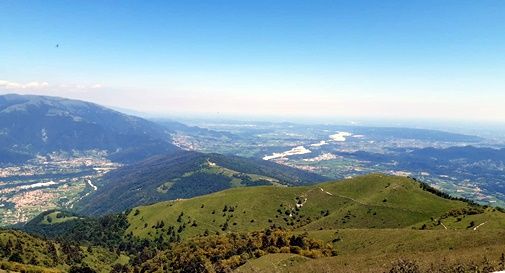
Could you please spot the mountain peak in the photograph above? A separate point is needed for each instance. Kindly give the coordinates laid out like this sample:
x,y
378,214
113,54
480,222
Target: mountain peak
x,y
42,124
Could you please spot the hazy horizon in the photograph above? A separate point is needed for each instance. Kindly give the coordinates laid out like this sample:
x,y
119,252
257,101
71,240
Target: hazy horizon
x,y
391,61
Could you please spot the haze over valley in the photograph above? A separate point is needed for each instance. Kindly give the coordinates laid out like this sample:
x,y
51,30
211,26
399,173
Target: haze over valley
x,y
252,136
48,175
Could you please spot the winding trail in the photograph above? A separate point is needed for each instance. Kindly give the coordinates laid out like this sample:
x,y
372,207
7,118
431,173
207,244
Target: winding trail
x,y
329,193
475,228
369,205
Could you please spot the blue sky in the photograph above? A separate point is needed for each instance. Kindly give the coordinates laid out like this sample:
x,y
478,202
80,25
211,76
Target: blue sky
x,y
384,59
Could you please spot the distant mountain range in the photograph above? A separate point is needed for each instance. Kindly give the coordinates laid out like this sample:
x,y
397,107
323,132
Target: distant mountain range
x,y
470,153
408,157
30,125
185,175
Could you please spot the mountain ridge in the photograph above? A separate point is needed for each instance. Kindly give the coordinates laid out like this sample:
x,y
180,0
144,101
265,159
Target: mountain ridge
x,y
41,124
185,174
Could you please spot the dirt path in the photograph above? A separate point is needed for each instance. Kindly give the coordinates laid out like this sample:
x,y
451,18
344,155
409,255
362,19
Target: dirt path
x,y
475,228
345,197
365,204
329,193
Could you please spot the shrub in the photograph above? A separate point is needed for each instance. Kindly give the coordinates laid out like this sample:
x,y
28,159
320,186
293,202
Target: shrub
x,y
314,254
404,266
16,257
295,250
81,269
272,249
284,249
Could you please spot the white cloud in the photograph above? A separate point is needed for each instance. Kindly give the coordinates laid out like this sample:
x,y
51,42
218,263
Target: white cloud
x,y
15,85
43,86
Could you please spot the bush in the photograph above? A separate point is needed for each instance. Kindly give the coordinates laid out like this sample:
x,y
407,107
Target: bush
x,y
16,257
314,254
258,253
284,249
403,266
81,269
295,250
272,249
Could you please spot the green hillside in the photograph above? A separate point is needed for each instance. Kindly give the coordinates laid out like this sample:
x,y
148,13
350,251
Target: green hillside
x,y
20,252
376,250
363,224
373,201
185,175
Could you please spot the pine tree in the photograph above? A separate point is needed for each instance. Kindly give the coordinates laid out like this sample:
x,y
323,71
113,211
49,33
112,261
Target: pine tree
x,y
9,247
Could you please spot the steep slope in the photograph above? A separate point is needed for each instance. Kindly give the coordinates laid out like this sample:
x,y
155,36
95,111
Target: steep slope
x,y
21,252
40,124
185,175
9,156
373,201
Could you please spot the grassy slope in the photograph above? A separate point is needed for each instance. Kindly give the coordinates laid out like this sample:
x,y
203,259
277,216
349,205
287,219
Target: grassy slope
x,y
373,201
370,221
377,201
250,203
11,267
374,250
185,175
213,168
273,262
35,250
52,218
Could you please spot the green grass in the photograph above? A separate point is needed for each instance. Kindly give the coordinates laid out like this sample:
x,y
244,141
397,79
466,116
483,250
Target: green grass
x,y
373,263
399,192
213,168
369,222
249,204
36,257
37,248
236,182
489,220
372,201
374,250
57,217
273,262
381,241
12,267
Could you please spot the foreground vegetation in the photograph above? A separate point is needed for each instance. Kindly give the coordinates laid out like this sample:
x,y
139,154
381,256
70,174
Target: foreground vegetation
x,y
374,202
373,223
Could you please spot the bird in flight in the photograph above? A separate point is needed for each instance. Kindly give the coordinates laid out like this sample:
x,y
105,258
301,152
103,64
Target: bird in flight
x,y
57,45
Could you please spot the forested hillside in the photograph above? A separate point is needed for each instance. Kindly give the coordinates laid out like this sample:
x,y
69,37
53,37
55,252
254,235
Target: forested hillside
x,y
33,125
185,175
